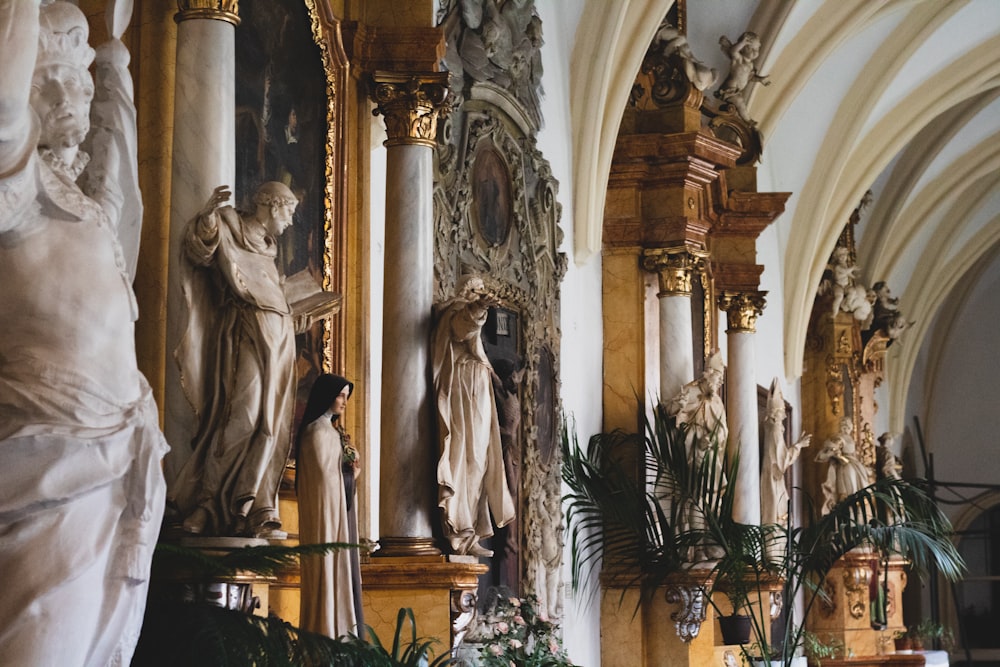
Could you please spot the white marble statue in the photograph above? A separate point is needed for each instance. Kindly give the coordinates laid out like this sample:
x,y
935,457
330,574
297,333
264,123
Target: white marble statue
x,y
471,479
742,72
82,490
778,458
887,456
326,470
849,296
670,41
699,406
237,363
847,473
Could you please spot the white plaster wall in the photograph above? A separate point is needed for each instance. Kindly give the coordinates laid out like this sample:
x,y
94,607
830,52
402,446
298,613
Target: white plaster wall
x,y
961,367
582,342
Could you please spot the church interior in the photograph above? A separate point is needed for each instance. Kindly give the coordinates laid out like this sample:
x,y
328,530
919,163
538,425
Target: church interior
x,y
624,200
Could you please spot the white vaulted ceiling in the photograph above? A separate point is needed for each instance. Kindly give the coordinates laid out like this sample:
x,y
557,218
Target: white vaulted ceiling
x,y
901,97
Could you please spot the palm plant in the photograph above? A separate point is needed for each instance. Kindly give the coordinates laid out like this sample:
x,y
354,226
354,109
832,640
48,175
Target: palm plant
x,y
612,516
176,632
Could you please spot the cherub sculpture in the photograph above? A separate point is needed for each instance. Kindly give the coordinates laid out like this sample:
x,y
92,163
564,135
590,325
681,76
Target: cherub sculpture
x,y
742,72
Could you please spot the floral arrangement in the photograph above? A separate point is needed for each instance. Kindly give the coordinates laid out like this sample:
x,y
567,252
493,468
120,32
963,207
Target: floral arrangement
x,y
523,636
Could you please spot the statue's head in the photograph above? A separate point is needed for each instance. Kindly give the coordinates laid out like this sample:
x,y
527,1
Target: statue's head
x,y
276,204
715,370
62,87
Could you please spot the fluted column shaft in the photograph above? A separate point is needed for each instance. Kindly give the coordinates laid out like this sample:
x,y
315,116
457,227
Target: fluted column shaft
x,y
742,310
674,267
204,156
409,105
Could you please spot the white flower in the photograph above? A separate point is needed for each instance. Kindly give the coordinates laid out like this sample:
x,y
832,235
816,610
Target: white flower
x,y
495,649
503,628
516,643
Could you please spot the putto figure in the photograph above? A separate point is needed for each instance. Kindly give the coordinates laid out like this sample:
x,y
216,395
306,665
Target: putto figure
x,y
471,478
742,72
237,362
82,490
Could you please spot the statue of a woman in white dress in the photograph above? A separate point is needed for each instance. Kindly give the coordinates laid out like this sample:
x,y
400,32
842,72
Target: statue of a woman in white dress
x,y
326,468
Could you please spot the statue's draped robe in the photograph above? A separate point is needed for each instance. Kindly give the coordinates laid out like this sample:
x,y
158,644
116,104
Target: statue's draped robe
x,y
82,490
237,368
330,601
471,478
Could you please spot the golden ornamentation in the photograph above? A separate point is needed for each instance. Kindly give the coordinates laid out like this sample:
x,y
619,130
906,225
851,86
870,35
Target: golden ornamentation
x,y
834,384
856,580
218,10
742,310
326,34
867,445
674,267
828,603
410,105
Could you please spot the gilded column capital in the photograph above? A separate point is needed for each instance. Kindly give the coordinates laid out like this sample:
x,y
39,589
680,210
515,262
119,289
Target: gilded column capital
x,y
410,105
217,10
674,267
742,310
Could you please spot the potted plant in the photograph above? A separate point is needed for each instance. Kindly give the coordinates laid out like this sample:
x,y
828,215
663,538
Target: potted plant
x,y
612,515
903,642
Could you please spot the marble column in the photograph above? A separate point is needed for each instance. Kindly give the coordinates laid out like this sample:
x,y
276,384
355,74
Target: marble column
x,y
674,267
410,105
742,310
204,156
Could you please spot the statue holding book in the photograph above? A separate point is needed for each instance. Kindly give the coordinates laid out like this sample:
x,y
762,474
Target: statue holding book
x,y
237,363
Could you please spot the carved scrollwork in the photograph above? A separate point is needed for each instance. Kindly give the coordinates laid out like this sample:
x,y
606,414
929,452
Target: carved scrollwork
x,y
834,384
463,613
828,599
674,268
410,105
487,140
856,580
691,614
742,309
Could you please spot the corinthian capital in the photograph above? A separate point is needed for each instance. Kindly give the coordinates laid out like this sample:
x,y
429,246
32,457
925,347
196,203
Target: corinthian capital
x,y
218,10
410,104
742,309
674,267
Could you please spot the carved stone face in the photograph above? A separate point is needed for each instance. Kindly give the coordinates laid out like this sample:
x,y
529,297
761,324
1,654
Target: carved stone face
x,y
341,401
60,96
281,217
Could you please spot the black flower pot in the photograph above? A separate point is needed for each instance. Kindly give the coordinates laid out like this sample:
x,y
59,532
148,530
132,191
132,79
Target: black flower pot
x,y
735,629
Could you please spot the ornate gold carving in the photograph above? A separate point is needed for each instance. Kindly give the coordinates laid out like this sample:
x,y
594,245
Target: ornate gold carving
x,y
742,309
410,104
688,619
856,580
326,32
834,383
218,10
674,266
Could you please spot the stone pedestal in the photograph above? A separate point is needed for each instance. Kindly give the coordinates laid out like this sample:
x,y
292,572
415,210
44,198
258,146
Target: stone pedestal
x,y
441,593
241,591
673,627
847,617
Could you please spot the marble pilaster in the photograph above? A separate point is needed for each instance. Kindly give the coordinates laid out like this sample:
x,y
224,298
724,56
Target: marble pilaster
x,y
204,157
742,310
409,105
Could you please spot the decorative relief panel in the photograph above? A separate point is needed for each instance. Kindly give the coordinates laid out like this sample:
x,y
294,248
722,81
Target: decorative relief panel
x,y
496,214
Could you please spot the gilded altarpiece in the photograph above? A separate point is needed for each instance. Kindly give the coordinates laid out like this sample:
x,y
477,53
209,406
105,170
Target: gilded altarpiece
x,y
844,364
496,214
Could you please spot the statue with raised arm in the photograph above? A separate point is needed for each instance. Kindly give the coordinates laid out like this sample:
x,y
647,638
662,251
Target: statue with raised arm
x,y
778,458
80,448
237,364
471,478
742,72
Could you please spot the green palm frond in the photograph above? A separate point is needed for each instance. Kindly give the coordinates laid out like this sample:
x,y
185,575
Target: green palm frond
x,y
612,516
